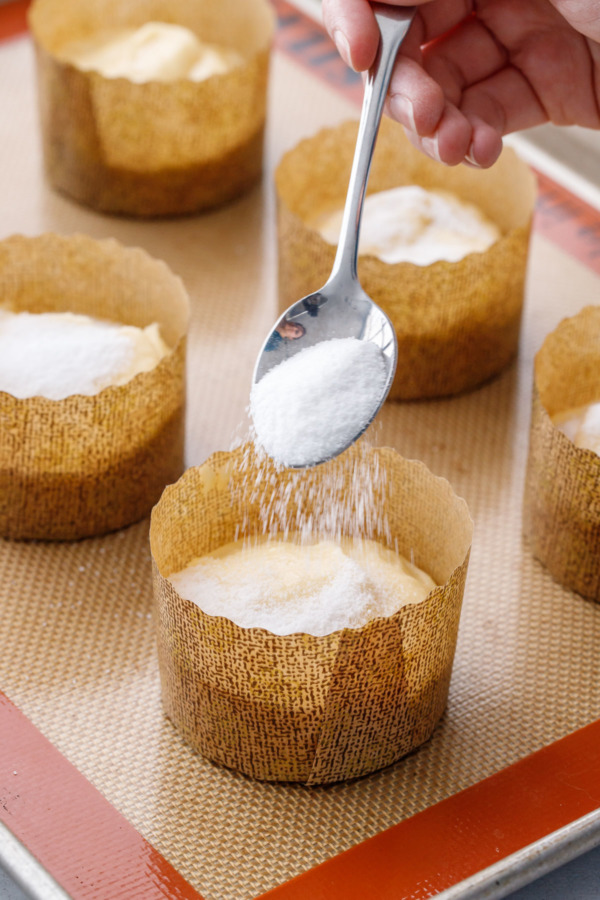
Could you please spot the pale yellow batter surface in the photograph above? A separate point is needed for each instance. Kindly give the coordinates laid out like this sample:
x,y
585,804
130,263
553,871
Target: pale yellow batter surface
x,y
581,425
411,224
157,51
286,587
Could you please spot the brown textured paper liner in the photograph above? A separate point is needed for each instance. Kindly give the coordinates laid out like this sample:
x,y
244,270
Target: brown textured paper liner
x,y
86,465
457,323
562,489
299,707
153,149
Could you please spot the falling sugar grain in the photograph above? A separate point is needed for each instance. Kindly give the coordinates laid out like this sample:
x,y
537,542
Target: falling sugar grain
x,y
346,496
316,403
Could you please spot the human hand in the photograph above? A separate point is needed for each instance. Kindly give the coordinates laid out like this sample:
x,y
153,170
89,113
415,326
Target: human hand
x,y
471,71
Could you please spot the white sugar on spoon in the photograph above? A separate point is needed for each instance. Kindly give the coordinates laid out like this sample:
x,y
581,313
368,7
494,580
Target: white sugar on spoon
x,y
304,348
297,421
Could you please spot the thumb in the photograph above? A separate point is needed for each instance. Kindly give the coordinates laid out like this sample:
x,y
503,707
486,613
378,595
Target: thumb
x,y
582,15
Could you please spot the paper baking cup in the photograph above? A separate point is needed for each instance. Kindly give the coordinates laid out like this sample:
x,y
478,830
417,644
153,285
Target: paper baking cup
x,y
562,489
153,149
457,323
86,465
299,707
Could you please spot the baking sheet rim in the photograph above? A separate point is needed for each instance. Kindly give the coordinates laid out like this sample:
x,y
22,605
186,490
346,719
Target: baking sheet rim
x,y
508,874
531,862
504,877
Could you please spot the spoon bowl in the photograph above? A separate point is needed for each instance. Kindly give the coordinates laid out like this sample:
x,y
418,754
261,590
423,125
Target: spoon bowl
x,y
341,309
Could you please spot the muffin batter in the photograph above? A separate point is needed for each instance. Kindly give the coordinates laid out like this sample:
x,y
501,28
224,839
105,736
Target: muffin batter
x,y
156,51
411,224
581,425
55,355
287,587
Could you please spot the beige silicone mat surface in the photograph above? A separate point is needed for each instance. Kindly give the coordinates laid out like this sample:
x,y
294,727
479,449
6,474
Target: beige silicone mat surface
x,y
75,624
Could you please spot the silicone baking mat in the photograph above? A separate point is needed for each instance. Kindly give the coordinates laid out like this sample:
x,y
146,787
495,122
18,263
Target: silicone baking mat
x,y
95,781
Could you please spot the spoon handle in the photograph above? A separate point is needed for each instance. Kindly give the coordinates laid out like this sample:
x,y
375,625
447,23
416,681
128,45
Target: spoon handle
x,y
393,22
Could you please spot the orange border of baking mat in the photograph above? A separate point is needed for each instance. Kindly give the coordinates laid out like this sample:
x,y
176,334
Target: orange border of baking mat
x,y
87,846
13,19
99,854
464,834
42,795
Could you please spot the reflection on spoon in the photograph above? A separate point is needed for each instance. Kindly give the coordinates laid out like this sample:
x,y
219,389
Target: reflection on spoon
x,y
285,330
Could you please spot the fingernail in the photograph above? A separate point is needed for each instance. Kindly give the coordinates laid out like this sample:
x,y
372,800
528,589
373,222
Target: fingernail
x,y
470,157
403,110
341,42
431,147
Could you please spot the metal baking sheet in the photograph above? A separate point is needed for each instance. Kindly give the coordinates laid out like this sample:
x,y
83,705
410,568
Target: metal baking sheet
x,y
508,786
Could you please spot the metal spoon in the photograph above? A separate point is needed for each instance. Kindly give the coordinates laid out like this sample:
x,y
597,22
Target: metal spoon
x,y
341,308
